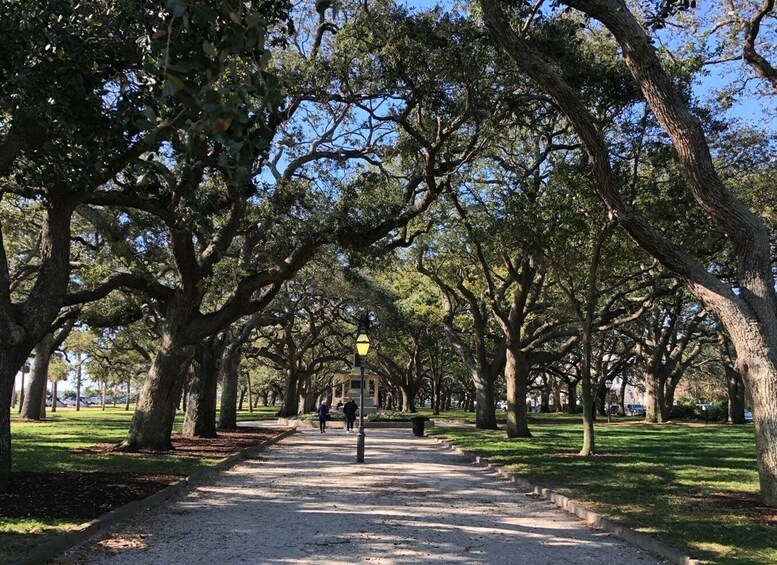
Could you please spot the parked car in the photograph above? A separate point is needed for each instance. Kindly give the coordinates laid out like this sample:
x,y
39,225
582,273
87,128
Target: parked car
x,y
635,410
502,405
748,416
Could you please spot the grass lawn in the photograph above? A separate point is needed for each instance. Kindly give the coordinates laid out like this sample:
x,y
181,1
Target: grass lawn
x,y
49,446
259,413
693,486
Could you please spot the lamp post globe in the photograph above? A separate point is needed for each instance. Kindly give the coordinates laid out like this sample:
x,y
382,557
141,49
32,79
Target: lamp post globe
x,y
362,347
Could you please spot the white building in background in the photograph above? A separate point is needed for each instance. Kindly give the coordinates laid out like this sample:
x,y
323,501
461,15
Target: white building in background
x,y
634,395
347,385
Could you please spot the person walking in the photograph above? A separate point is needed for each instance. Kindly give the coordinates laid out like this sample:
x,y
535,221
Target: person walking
x,y
349,410
323,412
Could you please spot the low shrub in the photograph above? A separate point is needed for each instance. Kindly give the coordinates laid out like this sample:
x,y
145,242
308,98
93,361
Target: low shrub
x,y
391,416
684,411
313,416
689,410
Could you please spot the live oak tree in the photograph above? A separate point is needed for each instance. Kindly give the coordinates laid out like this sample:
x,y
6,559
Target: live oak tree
x,y
735,386
467,320
121,355
442,367
604,291
237,336
213,210
514,270
59,141
408,350
58,371
523,206
89,115
668,342
307,344
33,406
480,348
748,308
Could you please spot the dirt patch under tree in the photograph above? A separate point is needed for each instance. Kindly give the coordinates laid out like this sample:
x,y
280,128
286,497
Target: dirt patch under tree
x,y
86,495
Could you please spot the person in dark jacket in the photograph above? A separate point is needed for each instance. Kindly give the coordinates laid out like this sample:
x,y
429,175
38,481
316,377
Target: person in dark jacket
x,y
349,410
323,412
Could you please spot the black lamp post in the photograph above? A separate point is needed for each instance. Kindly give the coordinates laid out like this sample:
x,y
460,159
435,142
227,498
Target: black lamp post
x,y
362,347
608,385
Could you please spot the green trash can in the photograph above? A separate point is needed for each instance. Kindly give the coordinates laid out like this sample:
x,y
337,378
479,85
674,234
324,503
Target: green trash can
x,y
418,425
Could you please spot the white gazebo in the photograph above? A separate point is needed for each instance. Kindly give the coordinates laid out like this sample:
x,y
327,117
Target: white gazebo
x,y
347,385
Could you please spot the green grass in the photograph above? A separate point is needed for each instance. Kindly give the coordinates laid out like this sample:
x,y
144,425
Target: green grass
x,y
656,479
449,415
19,536
259,413
49,446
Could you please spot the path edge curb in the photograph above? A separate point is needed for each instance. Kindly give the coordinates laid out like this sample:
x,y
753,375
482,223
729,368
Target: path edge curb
x,y
63,542
571,506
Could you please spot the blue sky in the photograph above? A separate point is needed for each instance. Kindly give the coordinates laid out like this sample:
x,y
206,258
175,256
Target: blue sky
x,y
750,108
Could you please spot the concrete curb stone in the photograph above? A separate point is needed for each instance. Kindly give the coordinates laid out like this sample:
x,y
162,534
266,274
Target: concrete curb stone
x,y
47,551
643,541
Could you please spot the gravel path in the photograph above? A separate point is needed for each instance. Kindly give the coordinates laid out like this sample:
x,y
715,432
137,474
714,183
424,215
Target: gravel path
x,y
307,501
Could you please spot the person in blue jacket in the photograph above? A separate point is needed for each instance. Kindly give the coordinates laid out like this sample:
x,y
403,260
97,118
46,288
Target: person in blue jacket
x,y
323,412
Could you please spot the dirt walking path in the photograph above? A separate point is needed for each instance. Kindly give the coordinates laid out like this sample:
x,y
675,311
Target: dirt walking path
x,y
307,501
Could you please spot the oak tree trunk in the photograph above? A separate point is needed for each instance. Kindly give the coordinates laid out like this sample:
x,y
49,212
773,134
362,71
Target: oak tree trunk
x,y
652,410
572,397
485,409
736,396
556,396
758,367
6,386
435,401
11,360
408,399
35,395
250,394
545,399
517,380
230,371
53,396
240,401
200,418
589,410
152,422
289,406
78,382
667,398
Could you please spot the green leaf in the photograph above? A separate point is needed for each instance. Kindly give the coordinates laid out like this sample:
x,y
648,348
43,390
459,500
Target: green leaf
x,y
253,19
176,82
179,67
169,88
209,49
